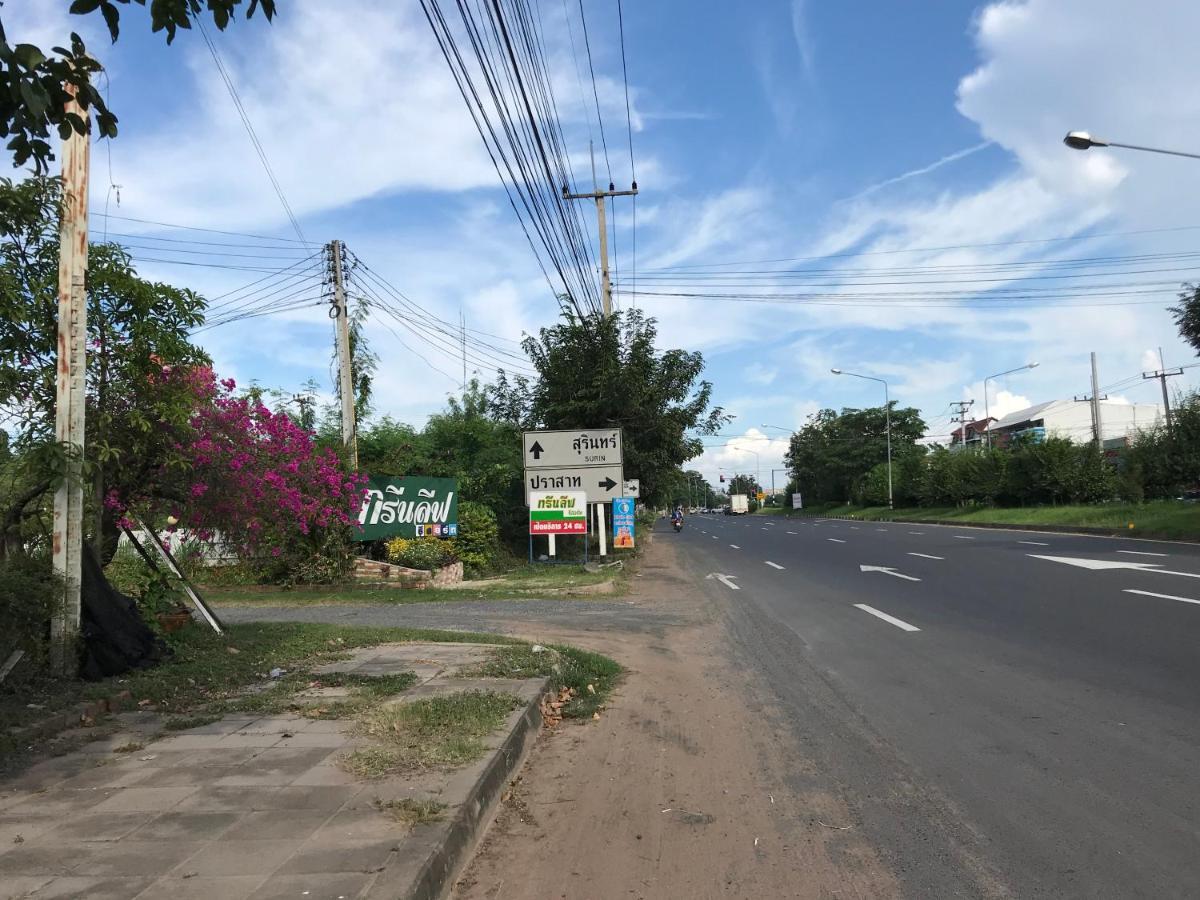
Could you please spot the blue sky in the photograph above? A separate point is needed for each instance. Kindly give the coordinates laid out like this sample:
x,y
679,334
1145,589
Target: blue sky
x,y
846,137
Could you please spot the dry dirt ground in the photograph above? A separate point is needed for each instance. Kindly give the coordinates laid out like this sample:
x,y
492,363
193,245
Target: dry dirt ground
x,y
684,788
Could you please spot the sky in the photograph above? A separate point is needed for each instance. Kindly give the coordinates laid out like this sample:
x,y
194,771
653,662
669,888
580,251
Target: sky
x,y
861,182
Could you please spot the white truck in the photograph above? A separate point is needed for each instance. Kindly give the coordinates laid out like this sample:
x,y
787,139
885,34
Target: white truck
x,y
739,505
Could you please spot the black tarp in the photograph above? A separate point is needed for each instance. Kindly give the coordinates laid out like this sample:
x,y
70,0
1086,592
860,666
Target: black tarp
x,y
115,638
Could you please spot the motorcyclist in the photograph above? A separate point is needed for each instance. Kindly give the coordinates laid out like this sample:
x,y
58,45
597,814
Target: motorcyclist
x,y
677,516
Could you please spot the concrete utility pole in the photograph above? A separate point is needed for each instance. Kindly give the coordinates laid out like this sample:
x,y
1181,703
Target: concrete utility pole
x,y
345,376
961,418
1162,375
1094,399
599,196
67,539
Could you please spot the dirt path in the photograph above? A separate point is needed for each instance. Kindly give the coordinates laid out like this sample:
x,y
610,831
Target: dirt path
x,y
682,789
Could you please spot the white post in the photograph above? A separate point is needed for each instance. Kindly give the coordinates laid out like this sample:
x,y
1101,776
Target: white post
x,y
551,548
67,537
600,531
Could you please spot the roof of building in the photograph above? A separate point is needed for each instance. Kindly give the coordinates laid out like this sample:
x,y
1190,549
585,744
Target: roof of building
x,y
1024,415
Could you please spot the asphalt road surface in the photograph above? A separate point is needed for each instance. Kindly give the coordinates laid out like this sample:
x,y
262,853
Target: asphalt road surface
x,y
1037,695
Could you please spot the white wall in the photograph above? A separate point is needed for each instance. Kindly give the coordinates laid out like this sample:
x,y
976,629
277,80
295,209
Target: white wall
x,y
1073,421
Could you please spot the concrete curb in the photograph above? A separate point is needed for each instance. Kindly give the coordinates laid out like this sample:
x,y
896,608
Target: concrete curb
x,y
434,856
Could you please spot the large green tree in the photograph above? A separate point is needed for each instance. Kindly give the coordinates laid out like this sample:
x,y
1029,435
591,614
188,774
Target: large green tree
x,y
833,453
597,372
134,328
35,84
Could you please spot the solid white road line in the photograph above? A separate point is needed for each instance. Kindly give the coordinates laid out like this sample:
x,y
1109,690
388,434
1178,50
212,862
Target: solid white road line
x,y
1141,553
881,529
854,528
1034,543
899,623
836,540
962,537
926,556
916,532
1163,596
793,532
715,538
773,565
735,546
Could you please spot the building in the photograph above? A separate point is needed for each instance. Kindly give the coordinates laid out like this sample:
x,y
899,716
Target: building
x,y
975,436
1071,419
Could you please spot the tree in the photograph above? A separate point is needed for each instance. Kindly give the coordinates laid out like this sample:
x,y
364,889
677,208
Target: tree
x,y
597,372
135,327
1187,315
35,87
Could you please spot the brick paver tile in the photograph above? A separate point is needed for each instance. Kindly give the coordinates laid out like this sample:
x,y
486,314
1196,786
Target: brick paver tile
x,y
75,887
317,856
230,887
128,858
154,799
238,858
336,886
189,825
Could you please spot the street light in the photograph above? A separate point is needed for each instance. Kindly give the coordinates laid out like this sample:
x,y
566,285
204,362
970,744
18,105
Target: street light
x,y
1081,140
887,418
987,415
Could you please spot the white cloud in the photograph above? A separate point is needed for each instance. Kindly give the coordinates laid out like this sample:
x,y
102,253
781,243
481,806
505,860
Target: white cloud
x,y
760,374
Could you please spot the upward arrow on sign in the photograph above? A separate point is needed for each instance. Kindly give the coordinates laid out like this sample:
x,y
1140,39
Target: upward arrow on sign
x,y
536,450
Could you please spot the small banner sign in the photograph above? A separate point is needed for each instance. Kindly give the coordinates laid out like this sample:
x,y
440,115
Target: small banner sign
x,y
412,506
623,523
558,512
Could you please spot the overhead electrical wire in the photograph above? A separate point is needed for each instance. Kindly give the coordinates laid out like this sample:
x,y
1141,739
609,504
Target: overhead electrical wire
x,y
261,237
629,131
258,147
587,46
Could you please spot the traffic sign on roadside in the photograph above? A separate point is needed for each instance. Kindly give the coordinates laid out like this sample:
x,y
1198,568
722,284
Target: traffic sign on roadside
x,y
633,488
600,483
572,448
558,512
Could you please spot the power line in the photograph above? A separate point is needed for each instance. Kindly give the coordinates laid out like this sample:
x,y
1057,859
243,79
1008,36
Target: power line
x,y
258,147
587,45
261,237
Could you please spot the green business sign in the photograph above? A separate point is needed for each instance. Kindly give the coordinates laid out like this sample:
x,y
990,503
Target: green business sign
x,y
408,507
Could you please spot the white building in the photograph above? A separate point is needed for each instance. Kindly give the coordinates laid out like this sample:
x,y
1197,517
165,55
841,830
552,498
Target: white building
x,y
1070,419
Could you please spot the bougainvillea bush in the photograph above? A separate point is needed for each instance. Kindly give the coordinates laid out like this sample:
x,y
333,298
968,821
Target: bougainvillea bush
x,y
253,477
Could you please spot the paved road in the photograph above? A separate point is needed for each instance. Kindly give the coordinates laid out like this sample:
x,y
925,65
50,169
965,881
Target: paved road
x,y
1013,712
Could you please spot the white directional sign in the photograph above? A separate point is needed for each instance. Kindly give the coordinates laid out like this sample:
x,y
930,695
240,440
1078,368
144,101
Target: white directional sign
x,y
602,483
572,449
1101,564
633,488
887,571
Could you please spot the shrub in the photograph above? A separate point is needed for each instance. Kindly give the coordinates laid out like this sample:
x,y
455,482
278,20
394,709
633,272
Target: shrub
x,y
478,541
29,596
420,553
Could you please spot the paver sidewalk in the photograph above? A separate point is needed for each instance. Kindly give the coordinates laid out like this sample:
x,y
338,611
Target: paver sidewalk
x,y
245,807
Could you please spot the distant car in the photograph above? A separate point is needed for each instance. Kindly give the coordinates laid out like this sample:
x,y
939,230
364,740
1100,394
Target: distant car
x,y
1192,496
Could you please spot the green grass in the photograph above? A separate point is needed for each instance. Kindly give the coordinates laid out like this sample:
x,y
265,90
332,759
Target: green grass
x,y
524,582
565,666
1167,519
208,670
411,811
438,732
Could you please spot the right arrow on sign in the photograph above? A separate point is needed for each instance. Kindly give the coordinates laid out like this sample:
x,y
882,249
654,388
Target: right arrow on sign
x,y
886,571
608,484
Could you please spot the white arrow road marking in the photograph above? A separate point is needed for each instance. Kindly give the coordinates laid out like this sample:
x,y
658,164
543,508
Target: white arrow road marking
x,y
962,537
926,556
724,579
1034,543
1140,553
899,623
1163,596
773,565
836,540
1114,564
735,546
888,571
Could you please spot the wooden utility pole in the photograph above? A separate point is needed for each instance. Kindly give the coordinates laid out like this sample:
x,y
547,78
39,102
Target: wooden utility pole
x,y
345,376
67,538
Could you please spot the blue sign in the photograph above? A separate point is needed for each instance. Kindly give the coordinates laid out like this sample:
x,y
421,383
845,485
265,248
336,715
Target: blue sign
x,y
623,522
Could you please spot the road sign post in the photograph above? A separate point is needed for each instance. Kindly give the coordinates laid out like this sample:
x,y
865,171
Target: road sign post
x,y
588,460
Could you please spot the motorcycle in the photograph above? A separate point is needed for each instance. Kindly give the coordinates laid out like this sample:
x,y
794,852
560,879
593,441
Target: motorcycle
x,y
677,524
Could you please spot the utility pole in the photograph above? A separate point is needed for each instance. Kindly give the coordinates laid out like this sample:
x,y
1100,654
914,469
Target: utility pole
x,y
962,407
67,539
599,196
1162,375
1094,399
341,315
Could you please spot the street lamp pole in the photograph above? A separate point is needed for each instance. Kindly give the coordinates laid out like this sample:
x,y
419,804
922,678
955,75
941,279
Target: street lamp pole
x,y
1081,140
987,415
887,418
